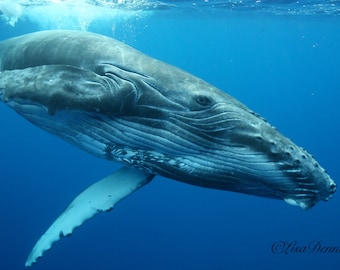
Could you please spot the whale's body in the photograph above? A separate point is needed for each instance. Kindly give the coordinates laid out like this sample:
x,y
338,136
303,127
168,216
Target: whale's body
x,y
119,104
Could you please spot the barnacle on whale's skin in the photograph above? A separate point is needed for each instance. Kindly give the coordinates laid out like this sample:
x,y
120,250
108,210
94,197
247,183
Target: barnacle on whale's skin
x,y
108,151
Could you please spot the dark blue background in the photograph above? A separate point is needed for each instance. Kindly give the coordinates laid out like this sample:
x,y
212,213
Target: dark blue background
x,y
287,68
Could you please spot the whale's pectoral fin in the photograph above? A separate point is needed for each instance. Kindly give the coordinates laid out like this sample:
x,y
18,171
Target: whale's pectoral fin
x,y
99,197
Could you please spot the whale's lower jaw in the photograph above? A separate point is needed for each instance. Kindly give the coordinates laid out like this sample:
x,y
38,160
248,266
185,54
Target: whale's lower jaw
x,y
234,168
263,178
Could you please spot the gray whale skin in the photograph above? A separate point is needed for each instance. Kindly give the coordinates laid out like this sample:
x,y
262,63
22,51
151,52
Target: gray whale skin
x,y
119,104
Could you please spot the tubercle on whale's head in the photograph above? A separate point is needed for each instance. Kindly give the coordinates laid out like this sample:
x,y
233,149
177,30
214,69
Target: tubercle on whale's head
x,y
308,182
299,179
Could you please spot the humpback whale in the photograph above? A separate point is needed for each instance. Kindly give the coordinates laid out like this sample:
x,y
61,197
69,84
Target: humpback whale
x,y
121,105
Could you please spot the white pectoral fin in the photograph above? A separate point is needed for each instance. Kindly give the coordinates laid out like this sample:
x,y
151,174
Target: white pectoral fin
x,y
99,197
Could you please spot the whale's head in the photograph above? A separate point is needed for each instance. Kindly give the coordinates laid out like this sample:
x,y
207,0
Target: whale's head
x,y
121,105
215,141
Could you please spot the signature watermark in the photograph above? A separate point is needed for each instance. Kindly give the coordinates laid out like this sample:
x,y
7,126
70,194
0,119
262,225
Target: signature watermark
x,y
293,247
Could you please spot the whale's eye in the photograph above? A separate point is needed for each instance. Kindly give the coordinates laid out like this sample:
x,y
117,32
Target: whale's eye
x,y
203,100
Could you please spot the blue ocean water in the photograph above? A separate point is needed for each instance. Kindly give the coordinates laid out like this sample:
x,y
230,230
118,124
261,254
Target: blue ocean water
x,y
280,58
